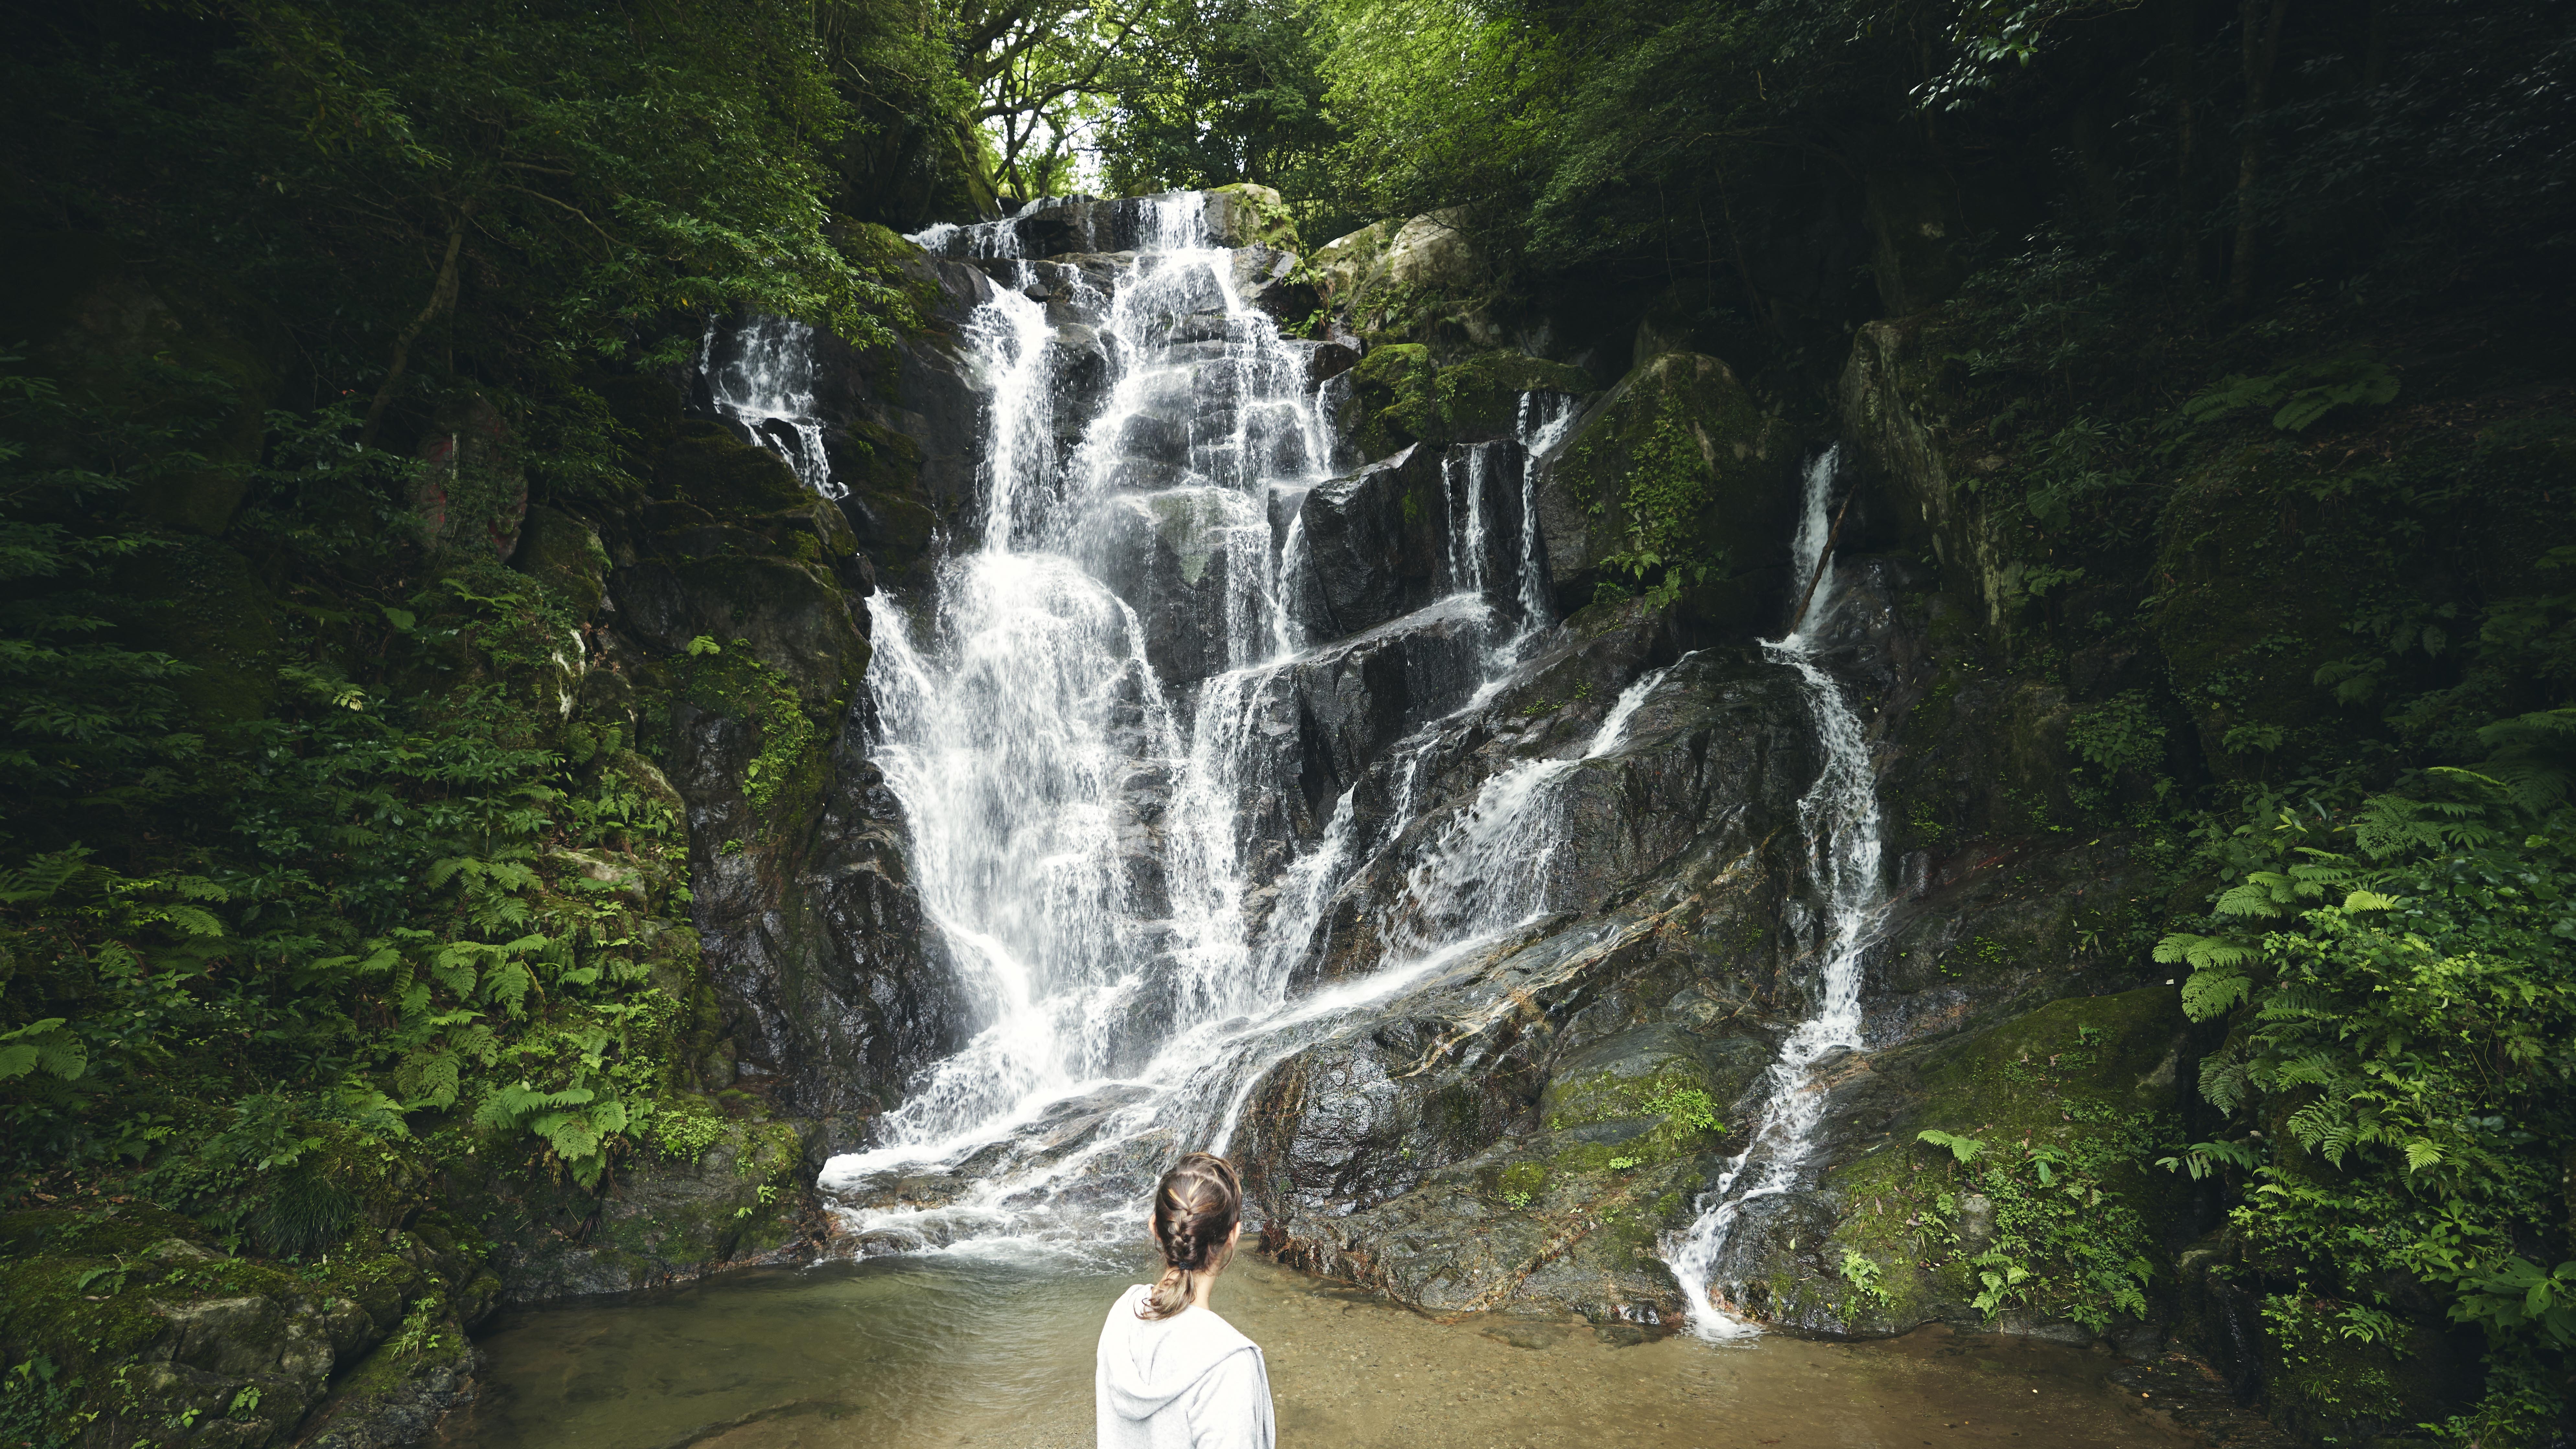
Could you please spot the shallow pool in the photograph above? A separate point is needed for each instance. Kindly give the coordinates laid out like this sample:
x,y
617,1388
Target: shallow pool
x,y
947,1351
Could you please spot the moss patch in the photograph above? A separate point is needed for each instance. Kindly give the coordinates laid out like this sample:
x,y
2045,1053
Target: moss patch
x,y
1400,394
2040,1199
1678,477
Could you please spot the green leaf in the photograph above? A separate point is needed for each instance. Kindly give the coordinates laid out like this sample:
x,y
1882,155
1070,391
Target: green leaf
x,y
42,1045
2211,993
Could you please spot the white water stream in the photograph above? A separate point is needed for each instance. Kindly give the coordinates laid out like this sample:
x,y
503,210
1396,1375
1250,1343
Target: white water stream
x,y
1081,824
760,376
1840,820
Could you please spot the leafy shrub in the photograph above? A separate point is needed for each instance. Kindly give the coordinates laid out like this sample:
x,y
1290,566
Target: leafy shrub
x,y
2400,984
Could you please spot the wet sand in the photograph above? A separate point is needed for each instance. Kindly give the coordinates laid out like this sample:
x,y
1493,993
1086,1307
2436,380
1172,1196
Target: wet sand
x,y
895,1354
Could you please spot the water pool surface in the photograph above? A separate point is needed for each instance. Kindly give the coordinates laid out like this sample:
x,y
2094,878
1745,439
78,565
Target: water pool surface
x,y
950,1351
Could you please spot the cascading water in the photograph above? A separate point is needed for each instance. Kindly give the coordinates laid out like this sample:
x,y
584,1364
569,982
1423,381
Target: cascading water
x,y
1840,819
1079,816
761,377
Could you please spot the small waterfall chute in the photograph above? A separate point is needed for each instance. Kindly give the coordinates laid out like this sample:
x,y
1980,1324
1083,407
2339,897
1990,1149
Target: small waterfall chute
x,y
1840,818
760,377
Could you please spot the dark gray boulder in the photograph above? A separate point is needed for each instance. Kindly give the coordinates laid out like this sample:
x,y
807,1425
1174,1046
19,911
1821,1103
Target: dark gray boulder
x,y
1376,541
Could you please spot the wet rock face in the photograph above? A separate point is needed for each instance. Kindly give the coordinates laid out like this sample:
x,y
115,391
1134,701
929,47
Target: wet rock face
x,y
840,991
900,424
1525,1129
1716,751
1377,541
737,589
1189,562
1520,1131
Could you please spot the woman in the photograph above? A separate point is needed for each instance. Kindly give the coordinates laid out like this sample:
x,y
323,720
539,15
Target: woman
x,y
1172,1374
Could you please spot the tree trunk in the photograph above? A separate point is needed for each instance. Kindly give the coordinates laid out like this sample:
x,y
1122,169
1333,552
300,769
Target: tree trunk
x,y
442,295
2262,45
2186,236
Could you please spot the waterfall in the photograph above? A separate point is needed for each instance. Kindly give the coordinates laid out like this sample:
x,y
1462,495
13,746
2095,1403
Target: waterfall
x,y
1839,817
1543,422
1082,832
1494,867
761,377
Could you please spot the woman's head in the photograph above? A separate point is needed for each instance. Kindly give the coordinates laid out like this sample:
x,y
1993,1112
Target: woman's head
x,y
1197,1207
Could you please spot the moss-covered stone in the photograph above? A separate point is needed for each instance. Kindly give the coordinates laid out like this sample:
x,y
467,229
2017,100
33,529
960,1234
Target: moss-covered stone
x,y
707,465
160,1329
1480,396
1654,1075
1399,394
564,554
1423,281
1890,407
1391,395
1677,464
729,1195
2076,1075
1255,215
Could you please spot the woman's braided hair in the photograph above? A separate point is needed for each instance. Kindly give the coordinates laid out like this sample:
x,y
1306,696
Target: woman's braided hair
x,y
1196,1206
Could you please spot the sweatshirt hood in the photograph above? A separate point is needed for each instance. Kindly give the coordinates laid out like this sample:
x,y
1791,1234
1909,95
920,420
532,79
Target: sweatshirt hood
x,y
1147,1363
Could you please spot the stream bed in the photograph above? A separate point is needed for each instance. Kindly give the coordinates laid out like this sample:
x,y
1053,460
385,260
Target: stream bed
x,y
950,1350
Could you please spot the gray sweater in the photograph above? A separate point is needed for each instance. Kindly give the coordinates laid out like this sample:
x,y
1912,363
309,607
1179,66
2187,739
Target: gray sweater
x,y
1190,1381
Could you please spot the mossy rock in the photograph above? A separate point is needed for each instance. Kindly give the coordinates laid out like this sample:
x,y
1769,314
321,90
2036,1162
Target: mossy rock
x,y
562,553
1391,395
2080,1072
717,1192
788,613
1655,1075
1255,215
1342,267
1480,396
396,1393
2124,1051
886,511
1423,281
894,261
154,1324
706,464
1679,462
1400,395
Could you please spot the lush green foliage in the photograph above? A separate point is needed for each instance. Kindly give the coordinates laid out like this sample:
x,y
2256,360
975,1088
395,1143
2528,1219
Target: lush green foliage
x,y
1206,95
310,878
2062,1240
366,901
2401,986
